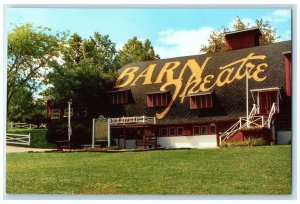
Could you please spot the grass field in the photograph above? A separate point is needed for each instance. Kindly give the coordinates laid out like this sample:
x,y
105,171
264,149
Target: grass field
x,y
248,170
38,137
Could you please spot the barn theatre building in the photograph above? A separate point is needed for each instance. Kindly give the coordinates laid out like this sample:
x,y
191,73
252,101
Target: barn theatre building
x,y
200,101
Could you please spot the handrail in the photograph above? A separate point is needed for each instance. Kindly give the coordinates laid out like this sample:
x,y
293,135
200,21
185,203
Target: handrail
x,y
274,109
254,120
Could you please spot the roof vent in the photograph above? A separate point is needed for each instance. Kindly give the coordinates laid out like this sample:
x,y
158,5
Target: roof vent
x,y
242,39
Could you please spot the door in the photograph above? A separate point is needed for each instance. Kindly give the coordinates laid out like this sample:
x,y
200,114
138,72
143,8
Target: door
x,y
266,100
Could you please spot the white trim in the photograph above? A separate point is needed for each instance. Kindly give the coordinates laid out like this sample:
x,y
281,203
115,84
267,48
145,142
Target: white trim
x,y
265,89
54,113
174,131
66,112
177,131
199,130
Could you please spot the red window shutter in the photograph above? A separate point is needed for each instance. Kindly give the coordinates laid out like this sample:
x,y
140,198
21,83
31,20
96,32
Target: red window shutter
x,y
125,97
121,97
193,102
209,101
164,99
149,100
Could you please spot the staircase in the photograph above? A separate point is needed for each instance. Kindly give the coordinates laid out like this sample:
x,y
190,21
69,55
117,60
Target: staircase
x,y
254,120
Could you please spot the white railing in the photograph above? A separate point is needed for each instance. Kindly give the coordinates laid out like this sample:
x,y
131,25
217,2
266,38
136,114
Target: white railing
x,y
18,139
231,131
254,121
274,109
133,120
254,111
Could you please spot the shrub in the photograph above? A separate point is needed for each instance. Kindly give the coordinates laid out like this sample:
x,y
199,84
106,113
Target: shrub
x,y
247,143
58,130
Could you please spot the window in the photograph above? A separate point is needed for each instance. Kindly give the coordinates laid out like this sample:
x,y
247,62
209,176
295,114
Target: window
x,y
164,132
212,129
201,101
196,130
120,97
180,131
204,130
66,112
172,131
82,112
157,100
55,114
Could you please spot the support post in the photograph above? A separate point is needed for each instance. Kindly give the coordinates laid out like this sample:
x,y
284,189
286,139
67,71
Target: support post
x,y
124,138
93,136
29,139
108,132
69,120
247,101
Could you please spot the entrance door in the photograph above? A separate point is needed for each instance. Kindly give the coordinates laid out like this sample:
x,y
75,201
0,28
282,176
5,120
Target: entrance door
x,y
266,100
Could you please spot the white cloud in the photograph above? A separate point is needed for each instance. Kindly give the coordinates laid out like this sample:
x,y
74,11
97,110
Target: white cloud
x,y
279,16
285,13
174,43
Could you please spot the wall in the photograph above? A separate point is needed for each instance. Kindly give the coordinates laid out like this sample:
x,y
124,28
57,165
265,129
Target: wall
x,y
284,137
201,141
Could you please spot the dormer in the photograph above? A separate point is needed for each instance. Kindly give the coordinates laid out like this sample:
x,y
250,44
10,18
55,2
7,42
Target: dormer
x,y
242,39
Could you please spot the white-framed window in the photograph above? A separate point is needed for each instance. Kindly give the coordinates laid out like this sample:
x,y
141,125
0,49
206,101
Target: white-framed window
x,y
204,130
55,113
179,130
172,131
212,129
196,130
66,112
83,112
164,132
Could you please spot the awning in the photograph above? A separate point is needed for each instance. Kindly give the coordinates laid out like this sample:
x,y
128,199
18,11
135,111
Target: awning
x,y
265,89
201,94
116,91
157,92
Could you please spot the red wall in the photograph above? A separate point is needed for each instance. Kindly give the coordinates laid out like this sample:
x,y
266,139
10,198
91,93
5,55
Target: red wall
x,y
288,73
241,136
241,40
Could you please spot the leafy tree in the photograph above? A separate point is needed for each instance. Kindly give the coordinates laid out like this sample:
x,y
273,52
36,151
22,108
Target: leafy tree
x,y
31,50
24,108
88,70
136,51
216,39
100,52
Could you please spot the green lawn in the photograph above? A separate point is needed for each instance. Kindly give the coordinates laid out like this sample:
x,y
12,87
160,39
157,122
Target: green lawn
x,y
248,170
38,137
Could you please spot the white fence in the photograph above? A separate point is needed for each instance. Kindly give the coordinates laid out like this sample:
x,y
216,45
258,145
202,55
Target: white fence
x,y
18,139
21,125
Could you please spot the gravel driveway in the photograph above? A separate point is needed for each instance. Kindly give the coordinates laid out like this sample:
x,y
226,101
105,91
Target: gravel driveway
x,y
12,149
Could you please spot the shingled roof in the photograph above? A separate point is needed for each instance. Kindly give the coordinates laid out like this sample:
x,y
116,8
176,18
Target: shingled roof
x,y
228,100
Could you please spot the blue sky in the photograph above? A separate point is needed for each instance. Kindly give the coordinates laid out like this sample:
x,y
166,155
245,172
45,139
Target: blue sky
x,y
172,31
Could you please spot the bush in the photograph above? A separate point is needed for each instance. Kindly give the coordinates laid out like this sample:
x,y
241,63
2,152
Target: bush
x,y
81,131
101,149
247,143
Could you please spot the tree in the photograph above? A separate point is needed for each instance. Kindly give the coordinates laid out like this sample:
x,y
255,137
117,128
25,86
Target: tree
x,y
216,39
25,108
100,52
31,50
86,72
136,51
